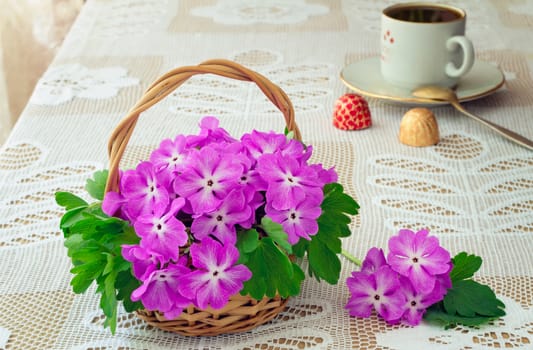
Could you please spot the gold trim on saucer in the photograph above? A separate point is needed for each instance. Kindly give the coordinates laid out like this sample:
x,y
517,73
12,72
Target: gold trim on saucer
x,y
380,84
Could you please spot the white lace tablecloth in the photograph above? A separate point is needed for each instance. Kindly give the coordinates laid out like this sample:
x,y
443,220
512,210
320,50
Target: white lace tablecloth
x,y
474,190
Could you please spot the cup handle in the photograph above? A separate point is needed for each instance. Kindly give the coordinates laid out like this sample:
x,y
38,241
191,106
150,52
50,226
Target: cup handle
x,y
468,56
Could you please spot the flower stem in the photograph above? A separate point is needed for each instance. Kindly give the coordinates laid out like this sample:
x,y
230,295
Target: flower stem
x,y
351,257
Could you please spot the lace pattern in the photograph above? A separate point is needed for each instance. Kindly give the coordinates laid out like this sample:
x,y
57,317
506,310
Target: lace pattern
x,y
237,12
63,83
261,16
508,332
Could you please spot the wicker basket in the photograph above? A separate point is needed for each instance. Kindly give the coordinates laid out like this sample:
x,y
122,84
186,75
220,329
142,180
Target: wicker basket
x,y
242,312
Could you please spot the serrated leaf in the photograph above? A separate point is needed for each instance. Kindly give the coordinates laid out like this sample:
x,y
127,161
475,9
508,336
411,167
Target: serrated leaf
x,y
276,232
323,262
333,224
469,298
332,242
86,273
125,284
247,242
464,266
88,253
336,200
85,227
80,283
96,186
109,302
110,264
74,242
69,200
272,272
436,314
70,218
300,248
94,241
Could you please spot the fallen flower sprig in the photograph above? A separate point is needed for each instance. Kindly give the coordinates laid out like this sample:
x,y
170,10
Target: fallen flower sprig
x,y
418,279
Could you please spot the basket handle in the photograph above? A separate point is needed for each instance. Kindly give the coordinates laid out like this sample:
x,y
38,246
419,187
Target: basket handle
x,y
173,79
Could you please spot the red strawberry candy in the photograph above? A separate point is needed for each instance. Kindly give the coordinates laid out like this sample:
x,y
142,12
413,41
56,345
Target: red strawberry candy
x,y
351,113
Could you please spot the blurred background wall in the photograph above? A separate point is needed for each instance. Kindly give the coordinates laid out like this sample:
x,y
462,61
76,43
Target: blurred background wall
x,y
31,31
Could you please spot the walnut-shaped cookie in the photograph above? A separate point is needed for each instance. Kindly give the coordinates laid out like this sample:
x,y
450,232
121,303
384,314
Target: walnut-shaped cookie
x,y
419,128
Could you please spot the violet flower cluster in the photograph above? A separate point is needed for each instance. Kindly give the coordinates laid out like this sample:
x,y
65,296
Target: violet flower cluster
x,y
414,276
196,193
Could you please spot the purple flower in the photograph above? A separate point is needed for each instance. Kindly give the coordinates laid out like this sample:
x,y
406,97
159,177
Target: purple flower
x,y
112,203
295,149
289,182
325,176
418,257
171,156
208,179
144,191
215,278
416,303
300,221
160,291
210,132
142,261
373,261
221,222
443,283
259,143
379,290
250,180
161,232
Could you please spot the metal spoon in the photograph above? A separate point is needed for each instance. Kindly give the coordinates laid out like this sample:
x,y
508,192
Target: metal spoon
x,y
437,93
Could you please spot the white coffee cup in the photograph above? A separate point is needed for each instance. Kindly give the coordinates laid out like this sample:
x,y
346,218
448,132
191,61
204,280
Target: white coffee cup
x,y
424,44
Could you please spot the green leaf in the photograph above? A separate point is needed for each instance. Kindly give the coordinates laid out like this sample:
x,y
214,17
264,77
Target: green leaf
x,y
464,266
81,282
468,302
93,242
86,271
125,284
96,185
470,299
323,248
332,242
300,248
276,232
323,262
247,242
108,300
74,243
110,264
69,200
336,200
436,314
272,272
70,218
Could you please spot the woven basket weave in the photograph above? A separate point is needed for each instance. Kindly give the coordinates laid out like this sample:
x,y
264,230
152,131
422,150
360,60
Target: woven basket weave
x,y
242,312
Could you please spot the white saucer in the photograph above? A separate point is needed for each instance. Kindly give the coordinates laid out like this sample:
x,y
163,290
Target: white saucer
x,y
365,78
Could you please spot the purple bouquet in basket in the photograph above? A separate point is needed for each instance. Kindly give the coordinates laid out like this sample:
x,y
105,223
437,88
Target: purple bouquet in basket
x,y
197,193
207,217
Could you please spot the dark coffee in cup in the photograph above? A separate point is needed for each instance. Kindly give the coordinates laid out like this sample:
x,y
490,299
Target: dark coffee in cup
x,y
424,14
424,44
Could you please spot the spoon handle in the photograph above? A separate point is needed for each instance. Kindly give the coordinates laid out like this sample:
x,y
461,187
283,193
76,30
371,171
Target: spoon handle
x,y
511,135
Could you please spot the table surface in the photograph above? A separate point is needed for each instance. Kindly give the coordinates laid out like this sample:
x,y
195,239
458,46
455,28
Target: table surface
x,y
474,189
